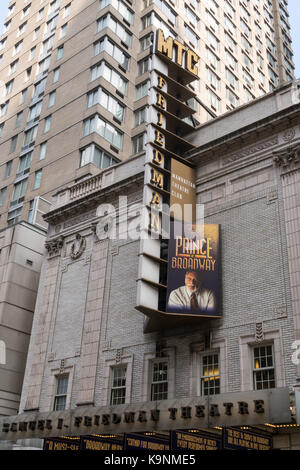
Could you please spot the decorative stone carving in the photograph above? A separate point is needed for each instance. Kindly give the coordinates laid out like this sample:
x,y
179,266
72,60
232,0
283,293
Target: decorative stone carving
x,y
250,151
54,246
118,356
62,366
286,158
259,332
51,357
107,345
114,250
78,246
272,197
281,312
289,135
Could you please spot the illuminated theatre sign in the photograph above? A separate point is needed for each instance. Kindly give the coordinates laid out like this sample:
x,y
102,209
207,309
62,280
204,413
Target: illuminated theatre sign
x,y
230,409
186,283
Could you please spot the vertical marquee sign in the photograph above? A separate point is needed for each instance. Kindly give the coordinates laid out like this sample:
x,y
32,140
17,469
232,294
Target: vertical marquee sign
x,y
169,189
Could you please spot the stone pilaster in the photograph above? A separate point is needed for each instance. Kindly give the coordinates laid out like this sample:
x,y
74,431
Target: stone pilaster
x,y
92,324
42,335
288,162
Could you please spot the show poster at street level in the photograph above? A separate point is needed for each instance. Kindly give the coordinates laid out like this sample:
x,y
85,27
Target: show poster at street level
x,y
193,286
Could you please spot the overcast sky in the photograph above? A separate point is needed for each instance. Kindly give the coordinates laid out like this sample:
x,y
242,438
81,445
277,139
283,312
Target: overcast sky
x,y
294,10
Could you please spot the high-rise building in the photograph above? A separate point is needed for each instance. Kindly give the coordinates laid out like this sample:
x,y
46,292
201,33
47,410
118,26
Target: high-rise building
x,y
75,80
74,92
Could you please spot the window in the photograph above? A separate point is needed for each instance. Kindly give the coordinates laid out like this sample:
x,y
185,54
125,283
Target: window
x,y
105,130
21,29
26,11
211,21
191,36
214,42
47,124
60,399
2,196
51,25
36,33
8,169
212,59
109,21
47,45
40,15
2,43
52,96
191,15
1,128
212,79
24,164
95,155
63,30
120,6
56,74
213,99
118,386
31,212
4,108
53,7
18,47
146,21
110,75
13,66
43,65
231,78
23,96
263,367
165,9
210,374
9,87
106,45
13,217
43,148
67,10
141,90
231,60
34,111
27,74
159,383
138,144
232,97
11,8
32,53
143,66
19,192
37,179
140,116
60,52
6,27
39,89
30,136
108,102
145,42
13,144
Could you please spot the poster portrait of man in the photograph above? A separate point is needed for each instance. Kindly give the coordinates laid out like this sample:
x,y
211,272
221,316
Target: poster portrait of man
x,y
193,273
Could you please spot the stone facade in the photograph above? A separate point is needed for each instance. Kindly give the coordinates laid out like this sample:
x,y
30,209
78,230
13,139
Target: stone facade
x,y
86,323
